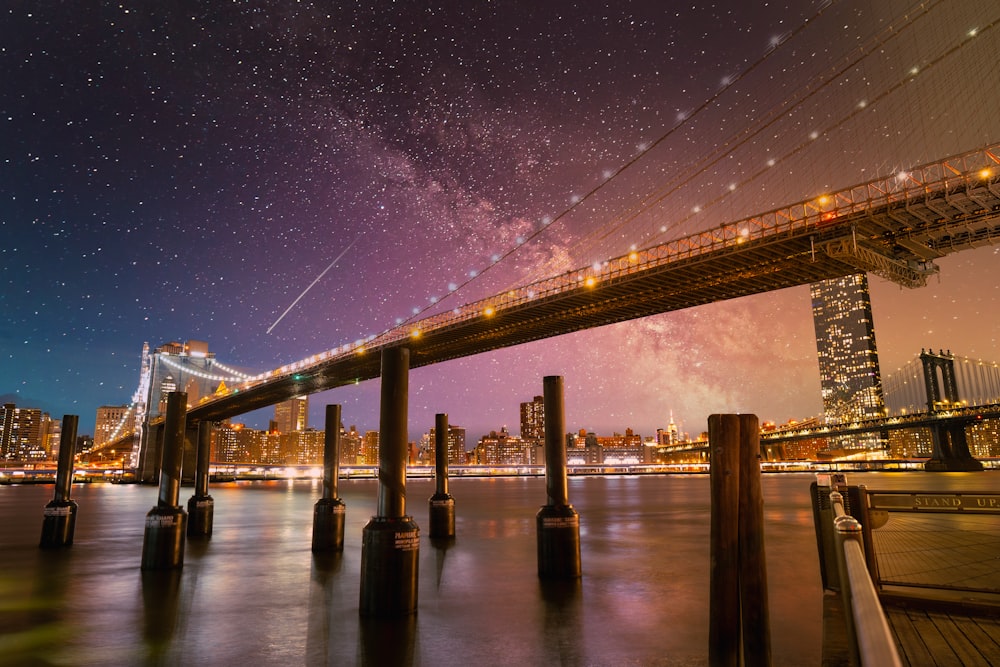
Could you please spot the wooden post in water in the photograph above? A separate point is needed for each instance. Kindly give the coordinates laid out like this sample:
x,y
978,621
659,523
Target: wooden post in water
x,y
739,626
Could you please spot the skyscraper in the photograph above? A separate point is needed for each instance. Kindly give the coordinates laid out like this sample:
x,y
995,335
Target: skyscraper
x,y
456,445
292,415
20,431
533,419
845,340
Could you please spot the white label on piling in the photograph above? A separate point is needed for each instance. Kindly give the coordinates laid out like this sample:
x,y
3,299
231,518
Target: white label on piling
x,y
340,509
58,511
560,521
160,521
407,540
440,503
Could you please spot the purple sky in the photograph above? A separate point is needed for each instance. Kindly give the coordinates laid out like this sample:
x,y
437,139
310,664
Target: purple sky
x,y
168,174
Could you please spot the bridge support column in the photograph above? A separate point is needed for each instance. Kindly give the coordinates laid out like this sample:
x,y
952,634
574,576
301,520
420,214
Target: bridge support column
x,y
163,541
329,511
951,450
60,514
391,540
201,506
557,523
150,453
442,505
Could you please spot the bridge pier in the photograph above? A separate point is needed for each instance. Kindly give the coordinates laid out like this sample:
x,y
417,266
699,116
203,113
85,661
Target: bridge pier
x,y
201,506
391,540
557,523
951,450
329,511
163,541
442,505
60,514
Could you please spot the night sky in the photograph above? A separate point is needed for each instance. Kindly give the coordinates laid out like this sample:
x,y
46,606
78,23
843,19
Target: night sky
x,y
175,171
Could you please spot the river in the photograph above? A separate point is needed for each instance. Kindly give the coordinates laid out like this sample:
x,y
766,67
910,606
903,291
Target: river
x,y
255,594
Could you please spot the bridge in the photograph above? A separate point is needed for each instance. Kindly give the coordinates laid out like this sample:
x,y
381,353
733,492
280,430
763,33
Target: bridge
x,y
894,227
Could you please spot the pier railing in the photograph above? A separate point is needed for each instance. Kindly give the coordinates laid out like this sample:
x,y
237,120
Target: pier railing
x,y
845,569
926,542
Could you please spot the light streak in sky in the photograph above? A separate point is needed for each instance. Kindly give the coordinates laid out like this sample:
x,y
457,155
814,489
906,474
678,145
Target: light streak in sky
x,y
318,278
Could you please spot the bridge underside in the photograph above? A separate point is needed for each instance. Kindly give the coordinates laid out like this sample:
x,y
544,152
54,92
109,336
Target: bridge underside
x,y
897,241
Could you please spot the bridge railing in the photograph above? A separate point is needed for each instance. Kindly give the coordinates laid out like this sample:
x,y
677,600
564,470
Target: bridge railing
x,y
918,184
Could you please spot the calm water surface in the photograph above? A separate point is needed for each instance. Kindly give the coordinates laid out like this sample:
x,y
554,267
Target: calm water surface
x,y
254,594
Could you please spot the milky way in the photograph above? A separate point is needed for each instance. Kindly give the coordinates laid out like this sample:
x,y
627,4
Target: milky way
x,y
170,174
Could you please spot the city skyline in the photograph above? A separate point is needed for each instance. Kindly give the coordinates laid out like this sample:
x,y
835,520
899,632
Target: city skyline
x,y
165,178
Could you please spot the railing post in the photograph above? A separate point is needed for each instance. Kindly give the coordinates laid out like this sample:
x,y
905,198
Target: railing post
x,y
59,521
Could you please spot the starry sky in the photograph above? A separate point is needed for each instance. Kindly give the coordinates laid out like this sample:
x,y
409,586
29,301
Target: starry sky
x,y
279,178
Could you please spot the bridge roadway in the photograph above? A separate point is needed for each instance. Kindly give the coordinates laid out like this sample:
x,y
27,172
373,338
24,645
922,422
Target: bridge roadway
x,y
894,227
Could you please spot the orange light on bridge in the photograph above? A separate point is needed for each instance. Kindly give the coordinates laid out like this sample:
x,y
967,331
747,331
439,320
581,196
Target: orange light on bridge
x,y
590,281
985,173
633,256
488,311
415,333
823,200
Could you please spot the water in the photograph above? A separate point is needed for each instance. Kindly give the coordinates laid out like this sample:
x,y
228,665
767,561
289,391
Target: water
x,y
256,595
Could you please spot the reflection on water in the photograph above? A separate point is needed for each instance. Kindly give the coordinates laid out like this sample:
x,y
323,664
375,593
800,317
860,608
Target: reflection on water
x,y
256,594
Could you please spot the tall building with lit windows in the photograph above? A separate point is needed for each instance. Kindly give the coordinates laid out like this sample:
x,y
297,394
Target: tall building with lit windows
x,y
533,419
845,340
112,421
292,415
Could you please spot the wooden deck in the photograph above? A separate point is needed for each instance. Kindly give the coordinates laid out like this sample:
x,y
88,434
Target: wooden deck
x,y
930,630
944,637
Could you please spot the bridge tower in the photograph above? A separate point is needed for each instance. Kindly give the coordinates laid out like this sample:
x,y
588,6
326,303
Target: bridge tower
x,y
951,446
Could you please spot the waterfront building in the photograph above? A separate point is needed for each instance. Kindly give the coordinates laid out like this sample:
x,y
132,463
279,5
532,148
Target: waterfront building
x,y
111,422
50,432
301,447
850,382
369,448
502,448
533,419
292,415
20,433
351,453
456,446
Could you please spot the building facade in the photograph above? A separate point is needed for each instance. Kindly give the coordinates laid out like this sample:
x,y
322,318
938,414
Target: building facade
x,y
20,433
292,415
533,419
850,381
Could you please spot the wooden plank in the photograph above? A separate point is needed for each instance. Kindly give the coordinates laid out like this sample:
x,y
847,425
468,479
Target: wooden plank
x,y
954,631
912,650
937,646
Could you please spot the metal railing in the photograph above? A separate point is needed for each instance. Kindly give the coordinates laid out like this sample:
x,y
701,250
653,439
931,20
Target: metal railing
x,y
867,627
